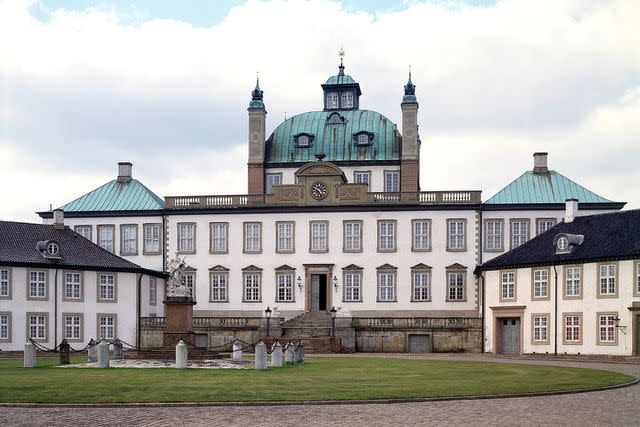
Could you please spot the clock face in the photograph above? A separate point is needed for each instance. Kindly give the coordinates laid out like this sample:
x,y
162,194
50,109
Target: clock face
x,y
319,190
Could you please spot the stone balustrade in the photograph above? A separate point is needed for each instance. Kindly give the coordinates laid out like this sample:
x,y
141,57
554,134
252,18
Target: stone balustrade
x,y
417,322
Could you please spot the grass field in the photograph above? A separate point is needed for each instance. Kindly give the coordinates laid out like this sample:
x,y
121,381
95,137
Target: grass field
x,y
317,379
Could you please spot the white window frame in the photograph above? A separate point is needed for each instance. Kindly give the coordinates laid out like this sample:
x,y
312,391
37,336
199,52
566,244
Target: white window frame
x,y
421,239
387,235
352,286
73,327
72,286
285,237
219,286
540,329
5,327
5,283
387,286
346,100
572,328
456,286
151,236
272,179
540,283
187,237
37,284
572,281
362,139
252,237
507,286
392,181
107,326
520,232
219,237
352,231
251,286
494,230
153,291
333,100
362,177
607,280
190,282
456,235
37,326
107,237
607,330
284,286
421,281
128,239
107,289
318,236
543,224
84,231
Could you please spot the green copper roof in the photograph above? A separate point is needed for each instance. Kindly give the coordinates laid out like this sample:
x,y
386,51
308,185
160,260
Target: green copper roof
x,y
544,188
117,196
340,80
335,140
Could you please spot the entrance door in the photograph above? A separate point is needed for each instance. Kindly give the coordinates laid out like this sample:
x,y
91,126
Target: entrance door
x,y
318,292
510,335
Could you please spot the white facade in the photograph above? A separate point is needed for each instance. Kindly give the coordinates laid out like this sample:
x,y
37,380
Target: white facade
x,y
584,321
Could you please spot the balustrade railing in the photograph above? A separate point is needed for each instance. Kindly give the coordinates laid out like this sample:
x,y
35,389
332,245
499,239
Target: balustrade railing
x,y
417,322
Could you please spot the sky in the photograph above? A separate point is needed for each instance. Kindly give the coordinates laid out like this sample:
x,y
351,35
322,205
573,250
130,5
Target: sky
x,y
164,84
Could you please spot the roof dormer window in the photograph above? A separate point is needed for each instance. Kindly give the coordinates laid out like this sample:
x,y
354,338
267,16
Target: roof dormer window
x,y
53,249
346,100
335,118
363,138
49,249
332,100
303,140
566,243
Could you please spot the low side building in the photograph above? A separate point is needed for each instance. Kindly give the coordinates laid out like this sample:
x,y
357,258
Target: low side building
x,y
574,289
55,285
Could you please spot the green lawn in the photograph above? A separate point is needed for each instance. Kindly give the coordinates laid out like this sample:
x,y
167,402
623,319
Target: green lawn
x,y
317,379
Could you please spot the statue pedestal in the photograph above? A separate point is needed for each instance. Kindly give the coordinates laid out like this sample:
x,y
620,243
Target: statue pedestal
x,y
178,320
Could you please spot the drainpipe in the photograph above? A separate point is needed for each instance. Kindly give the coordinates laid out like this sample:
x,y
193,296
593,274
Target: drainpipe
x,y
139,310
483,311
555,314
55,309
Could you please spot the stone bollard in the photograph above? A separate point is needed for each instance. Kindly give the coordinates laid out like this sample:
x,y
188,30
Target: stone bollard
x,y
92,351
29,355
182,355
300,353
65,353
237,351
289,356
276,355
103,354
118,352
261,356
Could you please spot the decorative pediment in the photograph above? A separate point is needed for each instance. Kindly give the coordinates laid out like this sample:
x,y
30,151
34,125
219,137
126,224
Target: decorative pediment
x,y
285,267
387,267
189,268
352,267
456,266
317,169
251,268
421,266
218,268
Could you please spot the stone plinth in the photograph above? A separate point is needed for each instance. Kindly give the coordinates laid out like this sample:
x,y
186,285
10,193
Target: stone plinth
x,y
178,320
29,355
182,355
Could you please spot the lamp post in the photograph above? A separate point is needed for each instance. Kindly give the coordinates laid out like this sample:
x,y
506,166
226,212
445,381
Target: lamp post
x,y
335,283
299,282
267,313
333,313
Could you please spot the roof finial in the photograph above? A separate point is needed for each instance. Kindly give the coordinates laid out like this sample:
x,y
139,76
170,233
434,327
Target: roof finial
x,y
256,95
409,88
341,67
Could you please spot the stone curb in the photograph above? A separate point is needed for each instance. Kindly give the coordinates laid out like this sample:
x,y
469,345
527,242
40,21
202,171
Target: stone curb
x,y
312,402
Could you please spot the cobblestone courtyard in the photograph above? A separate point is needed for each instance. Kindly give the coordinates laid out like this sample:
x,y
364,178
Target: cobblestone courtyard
x,y
609,407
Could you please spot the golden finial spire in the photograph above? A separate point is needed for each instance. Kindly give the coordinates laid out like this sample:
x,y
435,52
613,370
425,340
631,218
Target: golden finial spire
x,y
341,54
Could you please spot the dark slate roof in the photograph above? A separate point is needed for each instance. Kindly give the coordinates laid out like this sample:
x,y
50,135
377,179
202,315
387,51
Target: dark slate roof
x,y
18,248
606,237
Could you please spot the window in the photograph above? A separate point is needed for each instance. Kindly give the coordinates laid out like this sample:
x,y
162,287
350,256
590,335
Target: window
x,y
153,291
387,235
507,285
37,326
362,177
219,236
332,100
73,327
456,239
129,239
72,286
352,284
607,328
543,224
494,235
318,236
363,138
5,283
540,279
84,231
346,100
303,141
421,239
37,284
386,284
284,283
519,232
456,286
5,327
421,281
151,237
572,328
352,236
107,287
391,181
607,280
273,179
219,280
540,329
107,326
572,285
252,237
251,283
190,282
285,237
106,237
187,237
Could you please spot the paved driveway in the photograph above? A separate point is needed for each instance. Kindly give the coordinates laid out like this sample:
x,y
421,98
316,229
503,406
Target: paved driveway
x,y
609,407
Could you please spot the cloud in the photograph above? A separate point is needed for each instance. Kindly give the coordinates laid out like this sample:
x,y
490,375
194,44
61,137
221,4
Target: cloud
x,y
85,89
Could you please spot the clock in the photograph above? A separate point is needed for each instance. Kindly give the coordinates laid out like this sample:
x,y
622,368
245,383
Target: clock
x,y
319,190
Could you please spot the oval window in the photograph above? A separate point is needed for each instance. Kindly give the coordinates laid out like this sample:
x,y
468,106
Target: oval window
x,y
563,243
53,249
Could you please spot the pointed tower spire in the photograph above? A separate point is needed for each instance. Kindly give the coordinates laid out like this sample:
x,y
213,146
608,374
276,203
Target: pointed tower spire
x,y
341,67
409,91
256,95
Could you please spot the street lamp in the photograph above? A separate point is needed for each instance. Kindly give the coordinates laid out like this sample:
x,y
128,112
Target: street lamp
x,y
335,283
333,313
267,313
299,282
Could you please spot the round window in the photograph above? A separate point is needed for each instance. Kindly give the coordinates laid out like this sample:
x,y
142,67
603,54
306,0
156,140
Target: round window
x,y
563,243
53,249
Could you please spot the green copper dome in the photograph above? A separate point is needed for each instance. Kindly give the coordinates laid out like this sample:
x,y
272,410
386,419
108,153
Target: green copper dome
x,y
336,138
340,80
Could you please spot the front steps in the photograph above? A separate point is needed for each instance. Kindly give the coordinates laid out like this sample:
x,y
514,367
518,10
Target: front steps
x,y
313,328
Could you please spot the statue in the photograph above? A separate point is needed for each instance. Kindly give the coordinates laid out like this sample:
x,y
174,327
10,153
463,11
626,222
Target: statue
x,y
176,286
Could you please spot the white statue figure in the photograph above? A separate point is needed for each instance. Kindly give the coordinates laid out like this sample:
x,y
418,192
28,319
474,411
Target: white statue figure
x,y
176,286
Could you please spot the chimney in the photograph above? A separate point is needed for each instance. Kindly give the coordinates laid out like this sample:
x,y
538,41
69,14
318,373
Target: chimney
x,y
571,210
58,219
124,172
540,164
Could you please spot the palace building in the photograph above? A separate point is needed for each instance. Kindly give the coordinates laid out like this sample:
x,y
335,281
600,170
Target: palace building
x,y
334,217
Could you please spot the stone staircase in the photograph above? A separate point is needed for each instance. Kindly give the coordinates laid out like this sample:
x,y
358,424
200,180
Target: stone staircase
x,y
312,324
